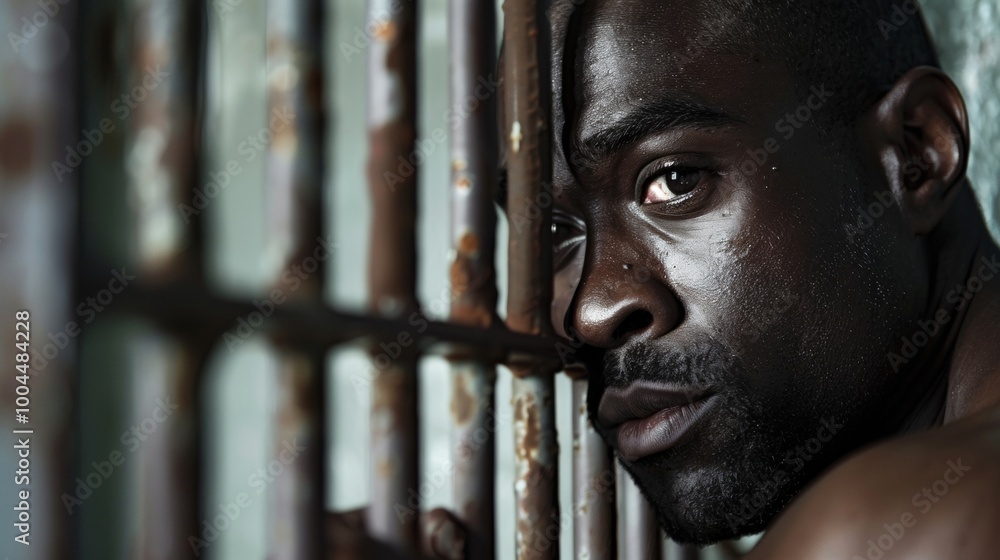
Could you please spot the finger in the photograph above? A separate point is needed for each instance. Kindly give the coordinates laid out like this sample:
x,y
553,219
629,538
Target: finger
x,y
444,535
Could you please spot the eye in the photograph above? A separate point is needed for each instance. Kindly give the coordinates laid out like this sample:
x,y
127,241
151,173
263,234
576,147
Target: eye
x,y
671,183
567,232
564,231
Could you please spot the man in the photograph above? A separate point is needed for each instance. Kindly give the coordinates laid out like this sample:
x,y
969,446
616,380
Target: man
x,y
765,239
784,286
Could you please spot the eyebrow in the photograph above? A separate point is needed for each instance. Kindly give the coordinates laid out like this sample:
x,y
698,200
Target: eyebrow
x,y
655,115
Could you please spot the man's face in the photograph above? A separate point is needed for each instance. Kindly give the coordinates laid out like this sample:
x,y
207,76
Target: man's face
x,y
702,246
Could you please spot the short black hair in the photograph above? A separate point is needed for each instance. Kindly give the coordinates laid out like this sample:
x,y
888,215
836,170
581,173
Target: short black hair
x,y
857,48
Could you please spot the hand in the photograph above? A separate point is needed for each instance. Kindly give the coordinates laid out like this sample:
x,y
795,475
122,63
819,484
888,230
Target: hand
x,y
444,536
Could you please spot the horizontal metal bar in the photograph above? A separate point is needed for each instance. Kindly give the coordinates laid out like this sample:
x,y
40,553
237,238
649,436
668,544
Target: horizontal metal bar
x,y
194,309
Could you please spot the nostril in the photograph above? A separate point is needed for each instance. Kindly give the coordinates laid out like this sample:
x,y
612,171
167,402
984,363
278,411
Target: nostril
x,y
635,322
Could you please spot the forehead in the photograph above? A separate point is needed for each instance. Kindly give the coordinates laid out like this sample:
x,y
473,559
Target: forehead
x,y
631,52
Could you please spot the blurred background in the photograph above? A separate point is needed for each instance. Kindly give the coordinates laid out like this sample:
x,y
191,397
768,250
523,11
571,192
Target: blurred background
x,y
36,216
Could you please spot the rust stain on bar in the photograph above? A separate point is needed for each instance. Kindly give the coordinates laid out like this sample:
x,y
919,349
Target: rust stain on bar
x,y
472,48
39,117
538,521
162,167
392,172
295,156
529,166
391,518
297,497
593,483
392,180
474,441
472,40
162,163
527,81
169,513
297,245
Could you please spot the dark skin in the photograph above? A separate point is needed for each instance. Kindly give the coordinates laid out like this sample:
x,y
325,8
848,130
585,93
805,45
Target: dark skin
x,y
678,262
682,264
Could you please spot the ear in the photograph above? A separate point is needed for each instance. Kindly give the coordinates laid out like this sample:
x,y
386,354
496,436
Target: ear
x,y
922,131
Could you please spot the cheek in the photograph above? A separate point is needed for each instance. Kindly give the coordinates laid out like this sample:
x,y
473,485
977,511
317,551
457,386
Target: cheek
x,y
745,272
717,265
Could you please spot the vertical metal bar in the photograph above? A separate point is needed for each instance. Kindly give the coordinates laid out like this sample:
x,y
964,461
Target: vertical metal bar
x,y
296,249
593,482
639,535
298,495
394,448
472,32
162,167
529,173
295,140
38,119
474,432
472,36
392,179
536,463
170,459
162,105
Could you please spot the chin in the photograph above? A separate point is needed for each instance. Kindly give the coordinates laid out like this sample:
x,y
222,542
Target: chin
x,y
727,480
702,506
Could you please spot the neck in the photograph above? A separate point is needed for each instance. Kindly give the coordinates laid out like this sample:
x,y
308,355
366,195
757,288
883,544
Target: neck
x,y
954,372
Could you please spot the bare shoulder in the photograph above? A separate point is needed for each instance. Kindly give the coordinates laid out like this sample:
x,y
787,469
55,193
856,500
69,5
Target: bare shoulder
x,y
934,494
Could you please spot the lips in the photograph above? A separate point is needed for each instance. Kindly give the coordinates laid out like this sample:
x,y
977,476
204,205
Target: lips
x,y
645,419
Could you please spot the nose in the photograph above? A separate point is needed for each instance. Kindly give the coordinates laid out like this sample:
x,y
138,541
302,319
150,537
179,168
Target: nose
x,y
617,302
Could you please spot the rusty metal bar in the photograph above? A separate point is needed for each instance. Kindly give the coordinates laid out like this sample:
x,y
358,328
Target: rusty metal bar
x,y
297,497
296,248
162,159
394,448
392,179
161,105
472,36
295,140
209,314
529,173
474,154
639,535
593,482
38,120
167,371
473,434
536,465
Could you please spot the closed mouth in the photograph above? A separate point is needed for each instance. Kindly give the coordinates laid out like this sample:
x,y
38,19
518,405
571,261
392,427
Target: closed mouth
x,y
645,419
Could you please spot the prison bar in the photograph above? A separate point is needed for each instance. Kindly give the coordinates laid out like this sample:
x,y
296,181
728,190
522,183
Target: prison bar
x,y
640,535
474,151
529,176
38,120
163,165
392,129
595,526
296,242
